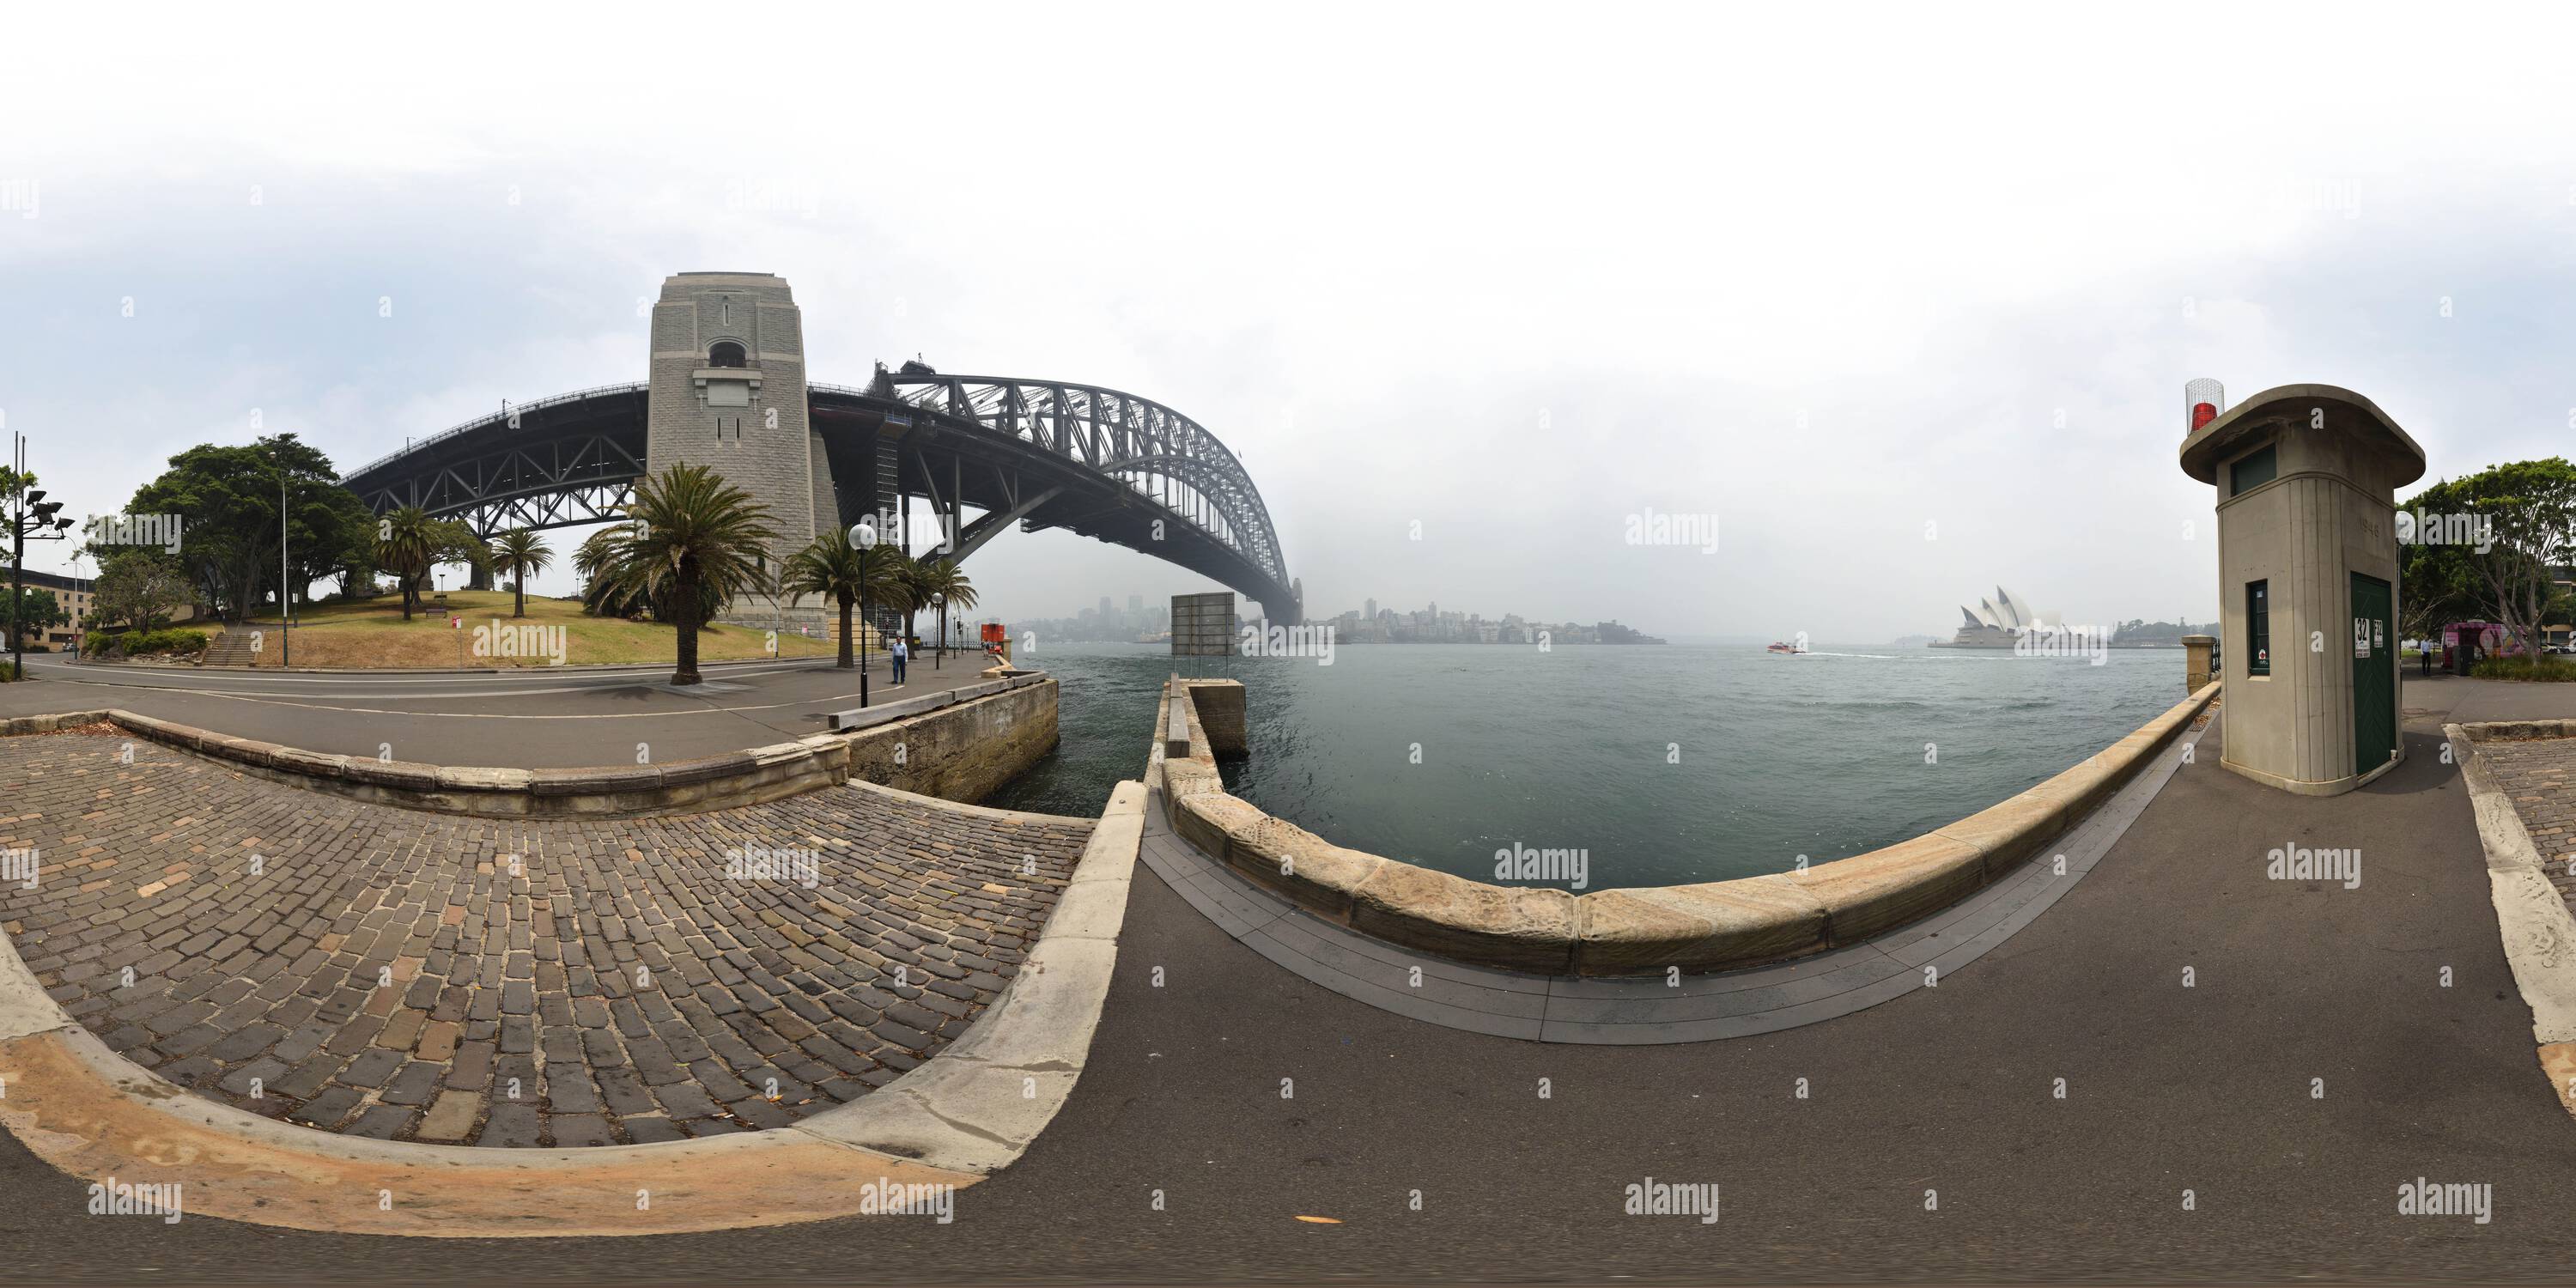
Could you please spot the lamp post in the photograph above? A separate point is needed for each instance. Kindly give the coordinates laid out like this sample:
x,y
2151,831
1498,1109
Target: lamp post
x,y
939,605
863,534
285,592
35,514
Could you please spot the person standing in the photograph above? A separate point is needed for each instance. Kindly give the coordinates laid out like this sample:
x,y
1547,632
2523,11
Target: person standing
x,y
901,652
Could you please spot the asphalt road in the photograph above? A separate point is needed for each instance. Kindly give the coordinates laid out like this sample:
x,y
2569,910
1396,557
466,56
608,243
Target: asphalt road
x,y
2209,1088
527,720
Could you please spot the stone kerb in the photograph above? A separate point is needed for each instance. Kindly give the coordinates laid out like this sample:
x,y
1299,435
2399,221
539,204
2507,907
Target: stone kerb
x,y
2516,730
2538,934
1717,925
749,777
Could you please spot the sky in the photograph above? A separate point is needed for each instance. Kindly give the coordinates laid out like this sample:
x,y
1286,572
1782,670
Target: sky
x,y
1900,299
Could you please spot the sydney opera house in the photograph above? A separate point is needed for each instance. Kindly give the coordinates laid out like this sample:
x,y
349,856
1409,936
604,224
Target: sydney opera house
x,y
1995,623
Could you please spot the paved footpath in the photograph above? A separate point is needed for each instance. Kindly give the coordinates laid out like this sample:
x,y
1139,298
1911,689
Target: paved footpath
x,y
2315,1062
416,976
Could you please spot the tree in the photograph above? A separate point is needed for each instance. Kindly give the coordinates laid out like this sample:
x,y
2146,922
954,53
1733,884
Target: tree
x,y
692,541
138,587
406,546
2527,510
410,545
228,497
947,581
914,577
33,609
522,551
590,561
847,573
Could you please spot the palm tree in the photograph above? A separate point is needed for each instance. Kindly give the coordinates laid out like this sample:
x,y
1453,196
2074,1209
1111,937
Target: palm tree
x,y
847,573
522,551
915,577
407,542
694,541
591,562
948,584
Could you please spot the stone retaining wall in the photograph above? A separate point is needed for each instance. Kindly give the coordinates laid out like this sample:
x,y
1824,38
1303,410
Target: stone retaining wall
x,y
1717,925
963,749
958,745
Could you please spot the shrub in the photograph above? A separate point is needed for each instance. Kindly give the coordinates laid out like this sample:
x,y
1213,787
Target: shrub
x,y
2550,669
8,672
149,643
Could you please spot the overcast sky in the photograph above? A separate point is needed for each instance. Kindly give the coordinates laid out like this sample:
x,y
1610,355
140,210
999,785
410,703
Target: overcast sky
x,y
1904,297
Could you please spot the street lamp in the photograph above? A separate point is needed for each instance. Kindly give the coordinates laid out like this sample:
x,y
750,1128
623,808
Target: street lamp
x,y
35,517
285,593
863,534
939,605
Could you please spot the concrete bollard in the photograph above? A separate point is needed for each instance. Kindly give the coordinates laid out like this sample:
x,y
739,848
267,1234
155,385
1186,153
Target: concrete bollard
x,y
2199,652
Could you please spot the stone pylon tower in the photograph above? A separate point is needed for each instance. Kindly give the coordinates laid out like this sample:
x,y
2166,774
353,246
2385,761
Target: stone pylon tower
x,y
728,392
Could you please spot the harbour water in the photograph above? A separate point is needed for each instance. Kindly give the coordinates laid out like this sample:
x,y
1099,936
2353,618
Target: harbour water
x,y
1661,764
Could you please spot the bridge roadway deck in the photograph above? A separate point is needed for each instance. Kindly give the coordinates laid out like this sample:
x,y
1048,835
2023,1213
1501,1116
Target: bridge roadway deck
x,y
2168,1088
526,720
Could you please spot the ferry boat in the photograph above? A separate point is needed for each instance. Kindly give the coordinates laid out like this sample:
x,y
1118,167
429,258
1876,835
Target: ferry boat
x,y
1791,649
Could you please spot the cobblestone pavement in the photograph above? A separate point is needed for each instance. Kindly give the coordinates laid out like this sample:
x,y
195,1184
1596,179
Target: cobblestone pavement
x,y
2540,778
413,976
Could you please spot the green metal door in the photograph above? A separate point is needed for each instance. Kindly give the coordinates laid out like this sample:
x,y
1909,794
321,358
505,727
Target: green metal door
x,y
2374,675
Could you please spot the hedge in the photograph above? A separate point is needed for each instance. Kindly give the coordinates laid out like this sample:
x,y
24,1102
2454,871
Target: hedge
x,y
2557,669
145,643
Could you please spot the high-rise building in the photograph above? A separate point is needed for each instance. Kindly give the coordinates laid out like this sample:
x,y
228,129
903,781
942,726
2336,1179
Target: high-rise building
x,y
1135,605
1372,610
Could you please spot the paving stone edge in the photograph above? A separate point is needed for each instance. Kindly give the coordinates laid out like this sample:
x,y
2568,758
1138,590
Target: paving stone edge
x,y
748,777
2538,932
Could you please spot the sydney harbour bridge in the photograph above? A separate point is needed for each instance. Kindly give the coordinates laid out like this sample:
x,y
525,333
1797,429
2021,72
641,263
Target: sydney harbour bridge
x,y
728,390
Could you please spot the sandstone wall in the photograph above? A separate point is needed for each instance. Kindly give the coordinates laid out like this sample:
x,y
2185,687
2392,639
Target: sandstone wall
x,y
963,752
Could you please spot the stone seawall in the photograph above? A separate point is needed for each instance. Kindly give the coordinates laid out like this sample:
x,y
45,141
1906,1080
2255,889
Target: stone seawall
x,y
1709,926
964,751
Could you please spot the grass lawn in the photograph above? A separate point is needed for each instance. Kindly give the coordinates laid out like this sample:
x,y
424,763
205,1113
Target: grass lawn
x,y
373,634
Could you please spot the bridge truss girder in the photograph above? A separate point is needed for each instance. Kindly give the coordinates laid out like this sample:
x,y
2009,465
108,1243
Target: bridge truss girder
x,y
1044,455
1098,427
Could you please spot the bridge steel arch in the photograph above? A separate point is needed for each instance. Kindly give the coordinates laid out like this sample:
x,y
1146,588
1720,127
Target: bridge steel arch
x,y
1041,454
